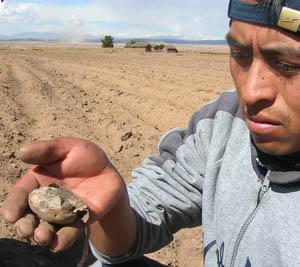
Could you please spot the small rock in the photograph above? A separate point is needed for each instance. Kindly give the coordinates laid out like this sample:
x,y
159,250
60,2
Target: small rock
x,y
120,149
126,136
11,155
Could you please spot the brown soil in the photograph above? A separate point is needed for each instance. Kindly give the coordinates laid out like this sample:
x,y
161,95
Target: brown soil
x,y
123,100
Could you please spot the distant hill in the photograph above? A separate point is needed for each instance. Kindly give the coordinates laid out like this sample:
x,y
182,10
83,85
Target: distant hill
x,y
33,36
174,41
56,37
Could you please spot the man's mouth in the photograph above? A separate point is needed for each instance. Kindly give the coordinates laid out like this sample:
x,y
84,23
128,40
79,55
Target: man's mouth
x,y
261,125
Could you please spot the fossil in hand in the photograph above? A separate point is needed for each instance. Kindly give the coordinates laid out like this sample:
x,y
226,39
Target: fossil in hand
x,y
57,205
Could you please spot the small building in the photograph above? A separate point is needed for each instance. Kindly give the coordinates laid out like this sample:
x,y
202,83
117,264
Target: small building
x,y
170,49
139,45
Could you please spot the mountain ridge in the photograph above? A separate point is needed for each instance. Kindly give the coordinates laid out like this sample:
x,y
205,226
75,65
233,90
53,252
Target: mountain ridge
x,y
58,37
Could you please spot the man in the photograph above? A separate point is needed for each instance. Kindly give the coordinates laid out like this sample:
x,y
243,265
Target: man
x,y
235,169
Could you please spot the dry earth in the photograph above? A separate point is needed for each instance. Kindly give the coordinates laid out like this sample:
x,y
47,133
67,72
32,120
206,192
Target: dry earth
x,y
121,99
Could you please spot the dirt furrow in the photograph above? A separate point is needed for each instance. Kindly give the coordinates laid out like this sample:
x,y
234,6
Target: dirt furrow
x,y
120,99
139,99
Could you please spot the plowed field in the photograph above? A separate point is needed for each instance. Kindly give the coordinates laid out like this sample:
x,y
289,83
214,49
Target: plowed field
x,y
123,100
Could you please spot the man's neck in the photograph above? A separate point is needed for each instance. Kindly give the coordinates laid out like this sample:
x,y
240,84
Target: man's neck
x,y
289,162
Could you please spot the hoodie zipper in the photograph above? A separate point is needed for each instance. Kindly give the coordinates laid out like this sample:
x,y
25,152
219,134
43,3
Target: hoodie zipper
x,y
264,188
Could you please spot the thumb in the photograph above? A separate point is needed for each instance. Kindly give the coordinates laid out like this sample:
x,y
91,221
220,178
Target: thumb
x,y
44,152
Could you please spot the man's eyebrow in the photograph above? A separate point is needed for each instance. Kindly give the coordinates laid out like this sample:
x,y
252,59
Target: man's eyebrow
x,y
280,50
235,43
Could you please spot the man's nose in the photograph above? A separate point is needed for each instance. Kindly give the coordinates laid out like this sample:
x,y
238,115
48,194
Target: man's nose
x,y
259,86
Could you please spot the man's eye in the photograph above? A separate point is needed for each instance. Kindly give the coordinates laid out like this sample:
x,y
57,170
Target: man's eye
x,y
287,68
239,55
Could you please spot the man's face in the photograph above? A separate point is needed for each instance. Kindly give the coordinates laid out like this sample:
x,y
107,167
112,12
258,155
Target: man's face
x,y
265,66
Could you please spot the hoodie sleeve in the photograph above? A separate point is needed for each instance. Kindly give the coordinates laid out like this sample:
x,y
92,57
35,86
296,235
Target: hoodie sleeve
x,y
165,194
166,190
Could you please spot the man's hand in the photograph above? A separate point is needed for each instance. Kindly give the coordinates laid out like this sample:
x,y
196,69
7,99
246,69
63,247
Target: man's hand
x,y
75,164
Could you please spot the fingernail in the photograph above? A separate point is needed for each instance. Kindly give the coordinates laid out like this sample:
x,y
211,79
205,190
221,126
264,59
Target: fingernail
x,y
53,249
53,245
19,232
40,242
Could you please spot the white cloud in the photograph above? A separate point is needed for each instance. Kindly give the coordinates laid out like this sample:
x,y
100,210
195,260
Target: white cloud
x,y
76,20
176,29
194,19
27,13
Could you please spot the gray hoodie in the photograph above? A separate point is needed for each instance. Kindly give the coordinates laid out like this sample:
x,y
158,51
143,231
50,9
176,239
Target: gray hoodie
x,y
209,174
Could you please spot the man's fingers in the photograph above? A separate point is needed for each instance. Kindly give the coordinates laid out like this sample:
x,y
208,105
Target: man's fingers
x,y
44,233
24,227
66,236
44,152
16,203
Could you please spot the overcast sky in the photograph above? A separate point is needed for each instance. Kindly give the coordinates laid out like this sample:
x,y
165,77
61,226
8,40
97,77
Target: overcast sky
x,y
190,19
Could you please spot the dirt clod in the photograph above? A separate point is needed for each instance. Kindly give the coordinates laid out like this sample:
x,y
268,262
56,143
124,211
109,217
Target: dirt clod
x,y
126,136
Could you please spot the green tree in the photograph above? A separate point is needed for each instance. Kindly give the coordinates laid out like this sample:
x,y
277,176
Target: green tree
x,y
107,41
159,47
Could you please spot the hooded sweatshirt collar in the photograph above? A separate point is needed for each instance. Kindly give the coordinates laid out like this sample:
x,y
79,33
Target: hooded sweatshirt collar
x,y
285,169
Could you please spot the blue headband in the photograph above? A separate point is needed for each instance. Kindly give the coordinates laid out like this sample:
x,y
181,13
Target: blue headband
x,y
289,18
